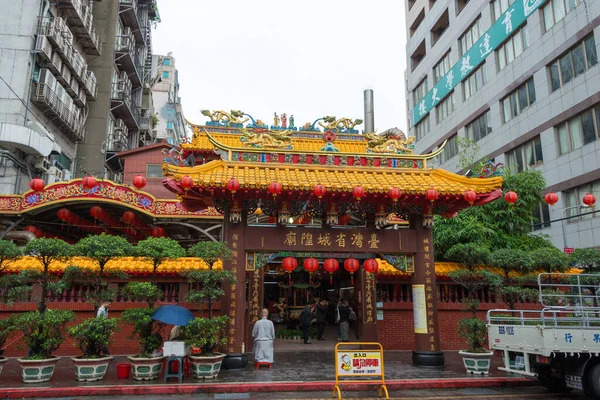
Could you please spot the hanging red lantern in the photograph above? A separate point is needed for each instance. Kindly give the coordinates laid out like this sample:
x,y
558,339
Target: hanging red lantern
x,y
30,228
289,264
37,184
96,212
511,197
128,217
470,196
158,231
371,266
589,200
432,195
186,182
139,181
63,214
551,198
351,265
233,185
331,265
275,188
311,265
395,194
358,192
89,182
319,190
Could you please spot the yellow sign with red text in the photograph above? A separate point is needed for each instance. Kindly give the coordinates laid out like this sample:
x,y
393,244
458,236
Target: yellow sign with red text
x,y
355,360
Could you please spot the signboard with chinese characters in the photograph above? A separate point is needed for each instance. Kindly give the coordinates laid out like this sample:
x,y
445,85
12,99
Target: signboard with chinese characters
x,y
419,308
502,29
353,363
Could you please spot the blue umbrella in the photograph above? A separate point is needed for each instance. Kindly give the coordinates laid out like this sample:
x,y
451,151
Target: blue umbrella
x,y
174,315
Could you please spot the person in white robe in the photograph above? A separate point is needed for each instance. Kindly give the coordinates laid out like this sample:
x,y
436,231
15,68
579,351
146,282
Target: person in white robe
x,y
263,334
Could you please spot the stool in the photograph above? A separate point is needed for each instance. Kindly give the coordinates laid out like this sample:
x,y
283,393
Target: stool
x,y
260,364
179,373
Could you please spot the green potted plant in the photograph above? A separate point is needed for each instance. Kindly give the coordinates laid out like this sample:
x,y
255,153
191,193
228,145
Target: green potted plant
x,y
6,327
476,357
9,252
209,333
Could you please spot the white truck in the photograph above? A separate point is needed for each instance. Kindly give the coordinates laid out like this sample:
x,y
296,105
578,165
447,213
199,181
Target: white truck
x,y
559,344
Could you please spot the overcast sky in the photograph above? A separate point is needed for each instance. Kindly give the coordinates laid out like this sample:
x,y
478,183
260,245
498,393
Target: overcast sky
x,y
308,58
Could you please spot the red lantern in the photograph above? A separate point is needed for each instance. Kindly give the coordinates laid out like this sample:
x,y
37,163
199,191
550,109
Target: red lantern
x,y
331,265
470,196
371,265
319,190
128,217
395,194
31,228
589,200
186,182
139,181
233,185
432,195
63,214
96,212
311,265
351,265
358,192
37,185
289,264
511,197
158,231
551,198
89,182
275,188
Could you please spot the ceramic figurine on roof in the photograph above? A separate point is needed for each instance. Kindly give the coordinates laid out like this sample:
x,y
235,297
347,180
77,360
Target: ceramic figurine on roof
x,y
292,121
261,138
391,141
284,120
345,125
224,118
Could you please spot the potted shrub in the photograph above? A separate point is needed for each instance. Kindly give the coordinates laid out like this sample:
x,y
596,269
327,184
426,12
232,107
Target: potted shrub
x,y
476,357
9,252
209,333
148,363
6,327
92,336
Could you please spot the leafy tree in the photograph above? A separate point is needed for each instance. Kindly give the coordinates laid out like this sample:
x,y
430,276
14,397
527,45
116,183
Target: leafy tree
x,y
93,335
549,259
142,291
44,332
9,252
468,155
7,325
158,250
470,255
145,329
515,294
511,260
588,259
210,252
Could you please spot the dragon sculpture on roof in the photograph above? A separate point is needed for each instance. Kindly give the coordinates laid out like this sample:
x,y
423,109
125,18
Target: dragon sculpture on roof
x,y
392,141
267,139
338,125
220,117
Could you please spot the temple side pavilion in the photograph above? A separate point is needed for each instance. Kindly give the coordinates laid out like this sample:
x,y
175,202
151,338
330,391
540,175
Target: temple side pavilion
x,y
293,200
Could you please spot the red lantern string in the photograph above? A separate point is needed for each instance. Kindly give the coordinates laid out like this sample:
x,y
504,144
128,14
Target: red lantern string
x,y
331,265
351,265
289,264
589,200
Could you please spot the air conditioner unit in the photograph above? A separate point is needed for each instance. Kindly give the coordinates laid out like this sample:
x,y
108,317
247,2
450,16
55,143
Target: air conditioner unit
x,y
123,76
47,78
55,64
44,48
67,175
56,172
65,76
43,163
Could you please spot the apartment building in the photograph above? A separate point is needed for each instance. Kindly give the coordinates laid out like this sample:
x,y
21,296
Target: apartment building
x,y
521,79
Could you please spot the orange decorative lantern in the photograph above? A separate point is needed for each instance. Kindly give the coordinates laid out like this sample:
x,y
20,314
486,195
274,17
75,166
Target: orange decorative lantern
x,y
371,266
351,265
37,184
128,217
358,192
89,182
319,190
511,197
470,196
311,265
331,265
289,264
96,212
31,228
395,194
139,181
63,214
158,231
275,188
432,195
186,182
589,200
233,185
551,198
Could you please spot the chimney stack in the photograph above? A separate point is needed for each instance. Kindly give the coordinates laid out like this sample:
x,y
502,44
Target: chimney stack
x,y
369,111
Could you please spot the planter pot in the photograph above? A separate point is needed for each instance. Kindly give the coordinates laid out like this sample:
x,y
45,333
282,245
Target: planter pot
x,y
34,371
146,368
206,367
235,361
3,361
90,369
477,363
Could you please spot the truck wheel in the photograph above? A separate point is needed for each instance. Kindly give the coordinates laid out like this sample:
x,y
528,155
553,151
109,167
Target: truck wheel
x,y
592,382
552,380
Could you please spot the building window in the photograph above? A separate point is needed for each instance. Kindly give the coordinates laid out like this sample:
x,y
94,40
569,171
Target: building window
x,y
422,128
499,7
469,37
513,48
154,171
541,216
573,63
555,10
420,91
165,74
573,199
445,108
460,4
528,154
518,100
474,82
579,130
441,68
167,61
169,125
479,128
450,150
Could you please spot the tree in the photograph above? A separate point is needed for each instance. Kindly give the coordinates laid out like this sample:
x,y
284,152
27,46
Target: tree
x,y
511,260
549,259
9,252
158,250
470,255
588,259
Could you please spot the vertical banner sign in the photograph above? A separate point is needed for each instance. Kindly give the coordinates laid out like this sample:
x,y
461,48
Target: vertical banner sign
x,y
418,292
501,30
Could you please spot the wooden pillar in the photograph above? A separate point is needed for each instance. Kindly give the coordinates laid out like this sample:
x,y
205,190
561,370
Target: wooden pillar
x,y
256,278
427,339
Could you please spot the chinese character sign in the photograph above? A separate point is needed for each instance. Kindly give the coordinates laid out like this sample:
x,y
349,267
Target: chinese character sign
x,y
506,25
359,363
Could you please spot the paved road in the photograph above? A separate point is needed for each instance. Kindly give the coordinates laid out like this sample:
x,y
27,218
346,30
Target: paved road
x,y
522,393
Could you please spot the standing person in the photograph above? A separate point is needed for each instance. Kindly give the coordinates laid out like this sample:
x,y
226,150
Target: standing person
x,y
306,317
344,317
321,318
263,334
103,313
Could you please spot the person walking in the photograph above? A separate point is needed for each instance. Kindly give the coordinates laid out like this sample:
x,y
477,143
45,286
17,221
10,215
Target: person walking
x,y
321,318
103,313
344,317
264,335
306,317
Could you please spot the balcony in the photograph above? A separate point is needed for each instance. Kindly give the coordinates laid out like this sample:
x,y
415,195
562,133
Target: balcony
x,y
128,11
122,106
67,120
127,58
80,20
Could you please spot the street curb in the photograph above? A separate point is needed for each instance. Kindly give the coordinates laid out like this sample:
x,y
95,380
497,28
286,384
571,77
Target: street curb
x,y
201,387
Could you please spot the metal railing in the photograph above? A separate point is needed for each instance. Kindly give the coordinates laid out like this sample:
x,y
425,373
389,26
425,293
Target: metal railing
x,y
50,104
569,291
548,317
